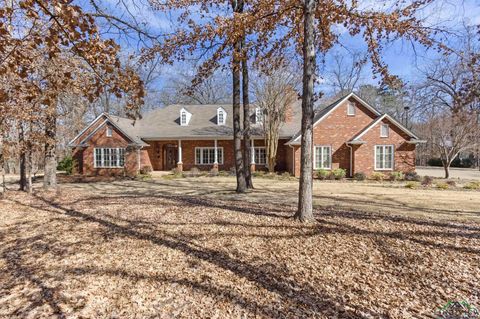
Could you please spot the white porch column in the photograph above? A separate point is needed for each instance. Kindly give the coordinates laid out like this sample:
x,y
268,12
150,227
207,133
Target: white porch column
x,y
252,151
216,153
179,152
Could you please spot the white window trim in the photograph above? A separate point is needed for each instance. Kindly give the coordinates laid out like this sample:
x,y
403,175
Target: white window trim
x,y
201,155
321,158
254,161
381,130
224,116
354,108
102,156
258,115
182,114
188,116
375,157
109,131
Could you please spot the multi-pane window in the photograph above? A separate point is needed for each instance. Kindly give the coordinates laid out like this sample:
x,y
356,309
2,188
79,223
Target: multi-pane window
x,y
323,157
109,157
258,115
384,130
384,157
206,155
183,118
350,108
260,155
109,131
221,118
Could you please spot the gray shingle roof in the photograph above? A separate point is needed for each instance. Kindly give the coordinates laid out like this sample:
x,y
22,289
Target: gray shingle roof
x,y
164,123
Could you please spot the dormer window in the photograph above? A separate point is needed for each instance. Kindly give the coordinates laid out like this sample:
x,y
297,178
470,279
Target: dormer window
x,y
258,115
221,116
184,117
351,109
109,131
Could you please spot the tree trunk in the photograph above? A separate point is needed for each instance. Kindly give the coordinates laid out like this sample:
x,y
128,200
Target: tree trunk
x,y
237,130
2,167
50,171
446,167
29,169
246,122
23,158
305,209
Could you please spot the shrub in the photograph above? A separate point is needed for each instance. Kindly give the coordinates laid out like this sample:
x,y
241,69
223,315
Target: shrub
x,y
258,174
377,176
412,176
66,164
442,185
472,185
397,176
213,172
285,175
360,176
435,162
427,181
451,183
223,173
194,172
458,309
146,170
411,185
322,174
339,173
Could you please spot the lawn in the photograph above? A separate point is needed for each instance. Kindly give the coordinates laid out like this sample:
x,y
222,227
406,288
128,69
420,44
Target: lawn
x,y
193,248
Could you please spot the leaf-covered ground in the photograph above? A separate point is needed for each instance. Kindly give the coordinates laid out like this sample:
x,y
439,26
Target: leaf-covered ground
x,y
128,254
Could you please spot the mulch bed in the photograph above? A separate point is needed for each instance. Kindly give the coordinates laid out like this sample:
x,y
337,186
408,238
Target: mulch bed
x,y
85,255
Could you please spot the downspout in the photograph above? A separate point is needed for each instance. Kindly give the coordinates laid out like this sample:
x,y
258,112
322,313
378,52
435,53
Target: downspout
x,y
138,158
351,159
293,159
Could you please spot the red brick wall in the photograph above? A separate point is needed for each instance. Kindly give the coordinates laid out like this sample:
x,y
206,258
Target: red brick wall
x,y
85,156
155,154
338,128
404,153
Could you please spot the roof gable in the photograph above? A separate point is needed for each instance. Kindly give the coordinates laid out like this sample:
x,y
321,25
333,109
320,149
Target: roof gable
x,y
107,119
380,119
322,114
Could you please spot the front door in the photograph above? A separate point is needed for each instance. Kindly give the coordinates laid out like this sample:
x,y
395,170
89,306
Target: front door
x,y
170,157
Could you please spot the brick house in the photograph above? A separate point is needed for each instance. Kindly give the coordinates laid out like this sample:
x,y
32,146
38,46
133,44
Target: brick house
x,y
348,133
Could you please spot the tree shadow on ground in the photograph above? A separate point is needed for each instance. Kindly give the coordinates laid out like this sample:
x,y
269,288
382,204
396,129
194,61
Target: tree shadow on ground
x,y
303,299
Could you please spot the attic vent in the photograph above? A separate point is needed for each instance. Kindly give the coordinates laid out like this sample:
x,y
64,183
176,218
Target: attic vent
x,y
221,116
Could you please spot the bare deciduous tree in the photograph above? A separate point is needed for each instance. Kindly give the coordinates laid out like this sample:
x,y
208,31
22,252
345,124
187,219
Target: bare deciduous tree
x,y
455,133
275,93
345,71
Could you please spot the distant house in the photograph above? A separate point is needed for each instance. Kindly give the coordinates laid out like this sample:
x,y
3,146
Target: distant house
x,y
348,133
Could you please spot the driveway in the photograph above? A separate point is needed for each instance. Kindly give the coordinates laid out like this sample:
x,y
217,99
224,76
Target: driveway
x,y
461,173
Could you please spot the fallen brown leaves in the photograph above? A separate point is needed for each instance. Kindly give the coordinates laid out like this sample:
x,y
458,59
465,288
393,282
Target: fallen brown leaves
x,y
131,255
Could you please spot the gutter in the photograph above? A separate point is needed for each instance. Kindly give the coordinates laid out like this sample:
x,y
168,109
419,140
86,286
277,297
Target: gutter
x,y
351,159
415,141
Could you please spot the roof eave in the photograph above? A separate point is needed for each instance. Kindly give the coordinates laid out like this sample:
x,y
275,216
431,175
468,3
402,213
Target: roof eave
x,y
356,142
416,141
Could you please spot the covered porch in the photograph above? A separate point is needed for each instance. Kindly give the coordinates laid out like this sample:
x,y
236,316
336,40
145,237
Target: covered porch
x,y
184,154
